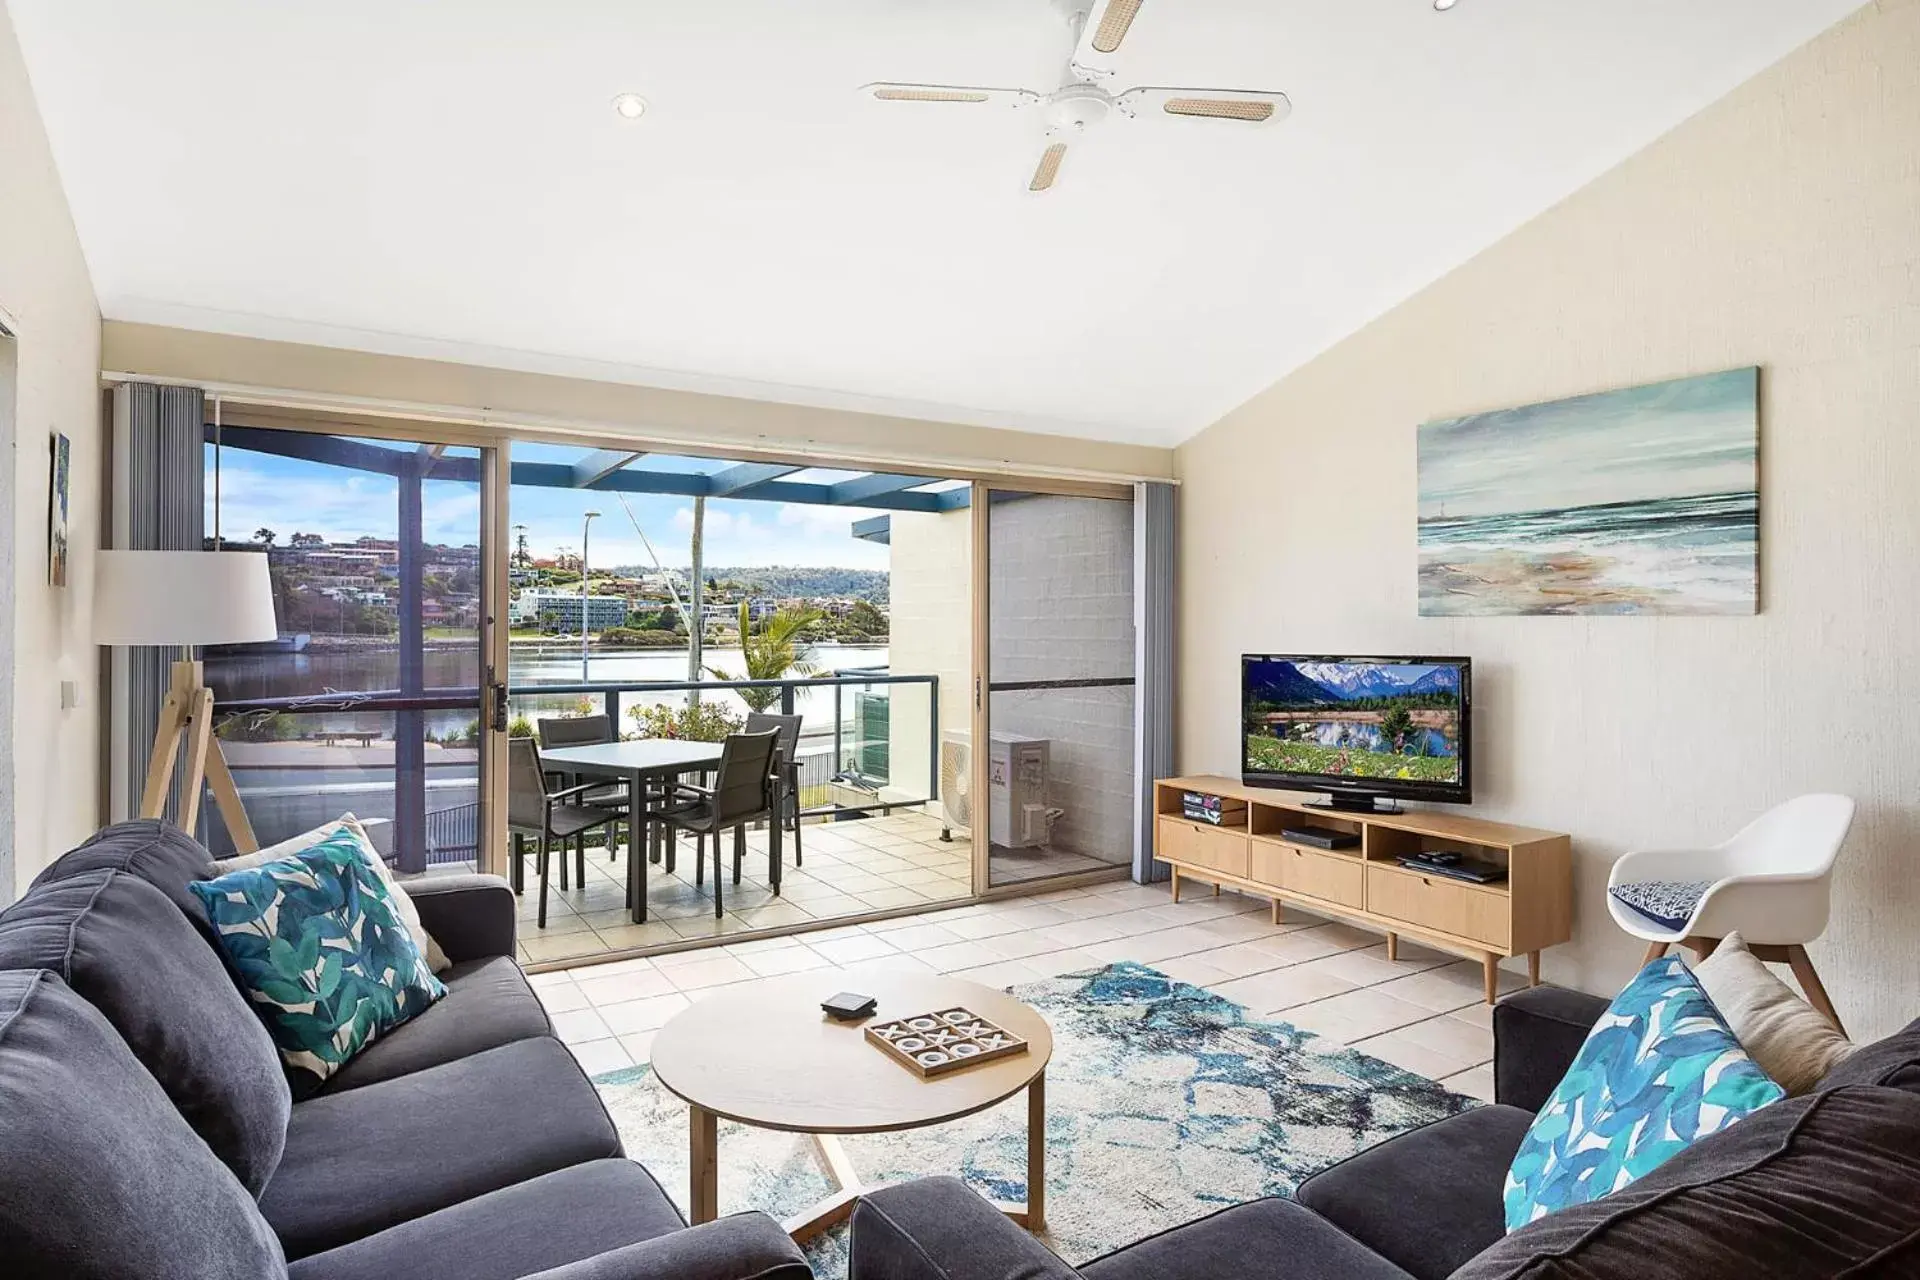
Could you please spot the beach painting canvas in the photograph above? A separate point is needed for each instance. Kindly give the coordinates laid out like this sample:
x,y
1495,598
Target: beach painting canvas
x,y
1642,501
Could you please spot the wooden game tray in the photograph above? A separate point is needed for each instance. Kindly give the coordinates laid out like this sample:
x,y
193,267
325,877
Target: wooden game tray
x,y
932,1044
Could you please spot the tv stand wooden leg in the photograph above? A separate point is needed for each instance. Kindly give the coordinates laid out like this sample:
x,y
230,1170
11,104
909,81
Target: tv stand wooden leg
x,y
1274,912
1176,884
1393,946
1533,968
1490,970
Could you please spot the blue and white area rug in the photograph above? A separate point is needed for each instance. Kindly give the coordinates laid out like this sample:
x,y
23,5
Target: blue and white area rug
x,y
1164,1103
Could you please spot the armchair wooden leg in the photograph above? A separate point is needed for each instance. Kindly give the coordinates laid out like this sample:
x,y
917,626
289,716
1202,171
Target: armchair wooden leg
x,y
1701,947
1654,951
1816,993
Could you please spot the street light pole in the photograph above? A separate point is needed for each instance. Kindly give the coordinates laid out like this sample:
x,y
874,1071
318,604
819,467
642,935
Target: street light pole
x,y
586,526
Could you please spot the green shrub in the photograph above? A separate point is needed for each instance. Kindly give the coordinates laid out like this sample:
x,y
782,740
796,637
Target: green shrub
x,y
707,722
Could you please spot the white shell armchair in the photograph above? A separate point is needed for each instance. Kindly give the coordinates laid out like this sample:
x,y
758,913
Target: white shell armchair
x,y
1771,882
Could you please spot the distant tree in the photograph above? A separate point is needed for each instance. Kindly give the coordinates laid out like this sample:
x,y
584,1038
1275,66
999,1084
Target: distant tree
x,y
306,540
264,536
549,621
772,650
866,619
1396,724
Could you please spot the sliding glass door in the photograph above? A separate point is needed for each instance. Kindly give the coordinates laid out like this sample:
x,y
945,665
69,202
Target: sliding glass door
x,y
379,696
1056,692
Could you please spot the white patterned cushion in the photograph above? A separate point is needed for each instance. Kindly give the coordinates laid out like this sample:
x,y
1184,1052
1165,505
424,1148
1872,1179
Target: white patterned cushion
x,y
1668,903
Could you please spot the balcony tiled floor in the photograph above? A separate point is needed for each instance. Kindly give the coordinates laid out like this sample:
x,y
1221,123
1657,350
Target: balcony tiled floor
x,y
851,868
1423,1012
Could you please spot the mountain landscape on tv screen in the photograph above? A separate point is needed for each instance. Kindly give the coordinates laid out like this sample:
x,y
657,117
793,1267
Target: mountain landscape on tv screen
x,y
1354,719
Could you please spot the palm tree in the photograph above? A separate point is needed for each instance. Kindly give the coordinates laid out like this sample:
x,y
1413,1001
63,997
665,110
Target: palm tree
x,y
772,651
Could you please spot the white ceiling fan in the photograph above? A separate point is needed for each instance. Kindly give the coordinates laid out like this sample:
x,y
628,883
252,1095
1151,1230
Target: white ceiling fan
x,y
1081,102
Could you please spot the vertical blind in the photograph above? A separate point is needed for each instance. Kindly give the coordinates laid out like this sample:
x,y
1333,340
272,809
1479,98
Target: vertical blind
x,y
159,439
1154,568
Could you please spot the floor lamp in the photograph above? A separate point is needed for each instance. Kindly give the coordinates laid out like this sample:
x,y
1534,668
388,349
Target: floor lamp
x,y
186,598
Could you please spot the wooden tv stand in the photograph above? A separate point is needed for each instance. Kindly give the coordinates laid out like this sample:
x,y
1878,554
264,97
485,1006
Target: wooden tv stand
x,y
1530,910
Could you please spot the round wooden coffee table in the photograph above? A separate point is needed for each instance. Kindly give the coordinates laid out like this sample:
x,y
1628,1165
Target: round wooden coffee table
x,y
766,1056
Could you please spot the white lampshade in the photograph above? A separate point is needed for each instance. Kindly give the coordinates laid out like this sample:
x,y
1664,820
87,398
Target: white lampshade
x,y
182,598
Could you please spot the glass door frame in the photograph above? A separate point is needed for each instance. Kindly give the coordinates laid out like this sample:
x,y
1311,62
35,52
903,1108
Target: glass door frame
x,y
494,450
981,704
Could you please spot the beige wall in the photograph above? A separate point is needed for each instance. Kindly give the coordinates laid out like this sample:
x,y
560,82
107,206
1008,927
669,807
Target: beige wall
x,y
931,633
52,755
705,423
1780,227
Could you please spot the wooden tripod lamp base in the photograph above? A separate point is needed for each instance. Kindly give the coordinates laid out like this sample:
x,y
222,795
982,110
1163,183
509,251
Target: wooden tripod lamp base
x,y
188,714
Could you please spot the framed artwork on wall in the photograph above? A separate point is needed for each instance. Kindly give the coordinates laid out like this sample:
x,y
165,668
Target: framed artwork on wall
x,y
1639,501
58,490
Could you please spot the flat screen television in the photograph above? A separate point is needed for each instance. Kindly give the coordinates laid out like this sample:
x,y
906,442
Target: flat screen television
x,y
1361,730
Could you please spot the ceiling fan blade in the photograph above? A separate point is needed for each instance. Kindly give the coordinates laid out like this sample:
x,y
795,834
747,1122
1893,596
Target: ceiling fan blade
x,y
1109,23
1245,106
965,95
1049,167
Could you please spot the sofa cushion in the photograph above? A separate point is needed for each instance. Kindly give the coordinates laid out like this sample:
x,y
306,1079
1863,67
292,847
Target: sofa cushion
x,y
1427,1200
320,951
402,903
1893,1062
154,850
1791,1040
1819,1186
1264,1237
488,1004
1660,1070
100,1178
544,1222
367,1159
117,942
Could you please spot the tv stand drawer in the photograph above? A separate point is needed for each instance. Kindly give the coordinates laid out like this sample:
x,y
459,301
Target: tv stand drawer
x,y
1331,877
1191,844
1436,902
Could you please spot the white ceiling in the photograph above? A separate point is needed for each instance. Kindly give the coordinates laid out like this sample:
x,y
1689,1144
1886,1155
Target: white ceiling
x,y
447,178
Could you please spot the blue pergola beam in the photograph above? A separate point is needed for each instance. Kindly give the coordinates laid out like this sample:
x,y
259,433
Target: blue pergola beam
x,y
602,463
735,481
857,491
885,492
313,448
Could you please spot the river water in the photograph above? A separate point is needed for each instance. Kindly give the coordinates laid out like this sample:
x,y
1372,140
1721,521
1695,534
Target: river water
x,y
276,675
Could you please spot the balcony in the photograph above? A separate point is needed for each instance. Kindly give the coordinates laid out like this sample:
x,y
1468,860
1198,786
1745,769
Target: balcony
x,y
873,840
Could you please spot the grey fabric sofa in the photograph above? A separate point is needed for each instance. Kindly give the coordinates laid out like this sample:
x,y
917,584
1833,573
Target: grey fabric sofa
x,y
1821,1186
148,1132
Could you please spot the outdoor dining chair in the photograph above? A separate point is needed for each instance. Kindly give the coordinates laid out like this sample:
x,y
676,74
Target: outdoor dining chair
x,y
744,790
560,815
786,764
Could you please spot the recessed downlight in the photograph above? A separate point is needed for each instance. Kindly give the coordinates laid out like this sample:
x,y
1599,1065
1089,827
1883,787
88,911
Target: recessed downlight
x,y
631,106
1443,5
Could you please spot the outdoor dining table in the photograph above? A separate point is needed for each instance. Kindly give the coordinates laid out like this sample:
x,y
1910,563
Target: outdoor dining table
x,y
637,762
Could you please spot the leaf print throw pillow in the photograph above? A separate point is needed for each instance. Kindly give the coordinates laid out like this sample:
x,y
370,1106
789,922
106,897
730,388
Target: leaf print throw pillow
x,y
1659,1071
320,951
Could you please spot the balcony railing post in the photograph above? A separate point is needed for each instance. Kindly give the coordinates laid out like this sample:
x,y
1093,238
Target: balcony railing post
x,y
613,710
933,740
838,731
786,698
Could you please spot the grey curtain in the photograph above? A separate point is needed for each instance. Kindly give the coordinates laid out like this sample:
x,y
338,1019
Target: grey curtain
x,y
158,499
1154,566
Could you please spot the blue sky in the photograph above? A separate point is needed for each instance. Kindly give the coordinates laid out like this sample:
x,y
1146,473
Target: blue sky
x,y
1668,440
291,496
